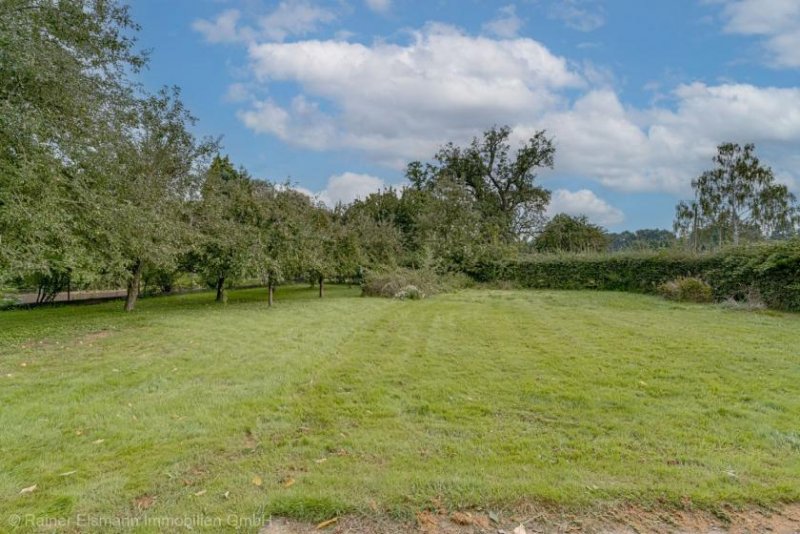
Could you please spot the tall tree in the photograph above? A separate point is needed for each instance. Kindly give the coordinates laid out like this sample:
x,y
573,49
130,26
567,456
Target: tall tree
x,y
738,195
501,181
226,221
64,83
158,164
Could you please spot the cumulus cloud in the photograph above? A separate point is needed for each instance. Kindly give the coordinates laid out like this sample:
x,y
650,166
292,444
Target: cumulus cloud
x,y
506,25
294,17
380,6
397,102
350,186
223,28
400,101
662,149
584,202
777,21
346,188
581,15
289,18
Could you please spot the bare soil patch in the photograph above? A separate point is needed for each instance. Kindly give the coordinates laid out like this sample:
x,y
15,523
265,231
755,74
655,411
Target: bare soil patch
x,y
621,520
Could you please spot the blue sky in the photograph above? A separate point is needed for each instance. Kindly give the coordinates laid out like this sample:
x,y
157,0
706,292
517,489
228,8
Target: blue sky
x,y
337,95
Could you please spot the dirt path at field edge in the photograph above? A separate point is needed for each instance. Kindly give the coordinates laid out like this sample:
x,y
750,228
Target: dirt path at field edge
x,y
626,520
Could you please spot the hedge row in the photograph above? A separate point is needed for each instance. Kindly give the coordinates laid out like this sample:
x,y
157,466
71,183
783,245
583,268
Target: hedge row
x,y
770,270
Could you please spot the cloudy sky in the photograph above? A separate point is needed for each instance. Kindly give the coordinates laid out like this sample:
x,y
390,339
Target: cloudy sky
x,y
338,95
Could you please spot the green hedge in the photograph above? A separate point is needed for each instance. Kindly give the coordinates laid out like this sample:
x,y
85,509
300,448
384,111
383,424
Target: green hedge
x,y
771,269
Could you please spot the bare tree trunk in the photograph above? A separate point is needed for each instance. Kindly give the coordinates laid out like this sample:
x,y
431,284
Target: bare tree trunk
x,y
321,287
222,295
271,293
133,287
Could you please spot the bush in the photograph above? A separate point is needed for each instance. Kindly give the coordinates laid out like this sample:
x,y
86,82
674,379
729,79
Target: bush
x,y
771,270
411,284
688,289
410,293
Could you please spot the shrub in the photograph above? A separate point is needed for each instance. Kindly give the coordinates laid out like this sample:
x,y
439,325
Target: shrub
x,y
410,293
772,270
751,301
687,289
411,284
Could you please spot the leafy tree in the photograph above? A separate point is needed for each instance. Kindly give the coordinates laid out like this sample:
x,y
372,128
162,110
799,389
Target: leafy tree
x,y
645,239
157,170
64,85
279,250
332,247
225,219
571,234
738,195
501,182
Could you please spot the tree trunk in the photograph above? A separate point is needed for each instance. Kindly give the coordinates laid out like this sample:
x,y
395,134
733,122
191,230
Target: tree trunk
x,y
271,293
321,287
735,218
133,287
222,295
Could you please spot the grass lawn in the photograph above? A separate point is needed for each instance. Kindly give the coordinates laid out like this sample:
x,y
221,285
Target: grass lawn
x,y
314,408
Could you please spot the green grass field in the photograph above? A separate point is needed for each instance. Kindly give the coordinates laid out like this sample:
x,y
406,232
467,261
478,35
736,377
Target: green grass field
x,y
317,408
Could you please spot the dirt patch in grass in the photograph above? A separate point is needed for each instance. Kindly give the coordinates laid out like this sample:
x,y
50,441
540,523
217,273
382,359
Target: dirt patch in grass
x,y
620,520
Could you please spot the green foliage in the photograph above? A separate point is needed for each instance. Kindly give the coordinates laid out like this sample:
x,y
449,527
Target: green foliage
x,y
737,199
64,89
771,269
499,181
687,289
410,283
645,239
564,233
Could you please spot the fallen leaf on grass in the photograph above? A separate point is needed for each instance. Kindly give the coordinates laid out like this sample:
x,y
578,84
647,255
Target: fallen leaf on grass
x,y
144,502
460,518
466,519
520,530
289,482
327,523
200,493
226,494
29,489
257,481
68,473
98,441
321,461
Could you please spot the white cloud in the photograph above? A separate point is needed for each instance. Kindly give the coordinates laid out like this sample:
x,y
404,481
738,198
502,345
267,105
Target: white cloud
x,y
401,101
662,149
290,17
346,188
350,186
223,29
380,6
294,17
584,202
581,15
237,92
398,102
506,25
777,21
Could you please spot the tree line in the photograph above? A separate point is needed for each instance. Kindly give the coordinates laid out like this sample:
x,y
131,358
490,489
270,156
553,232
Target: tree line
x,y
103,182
